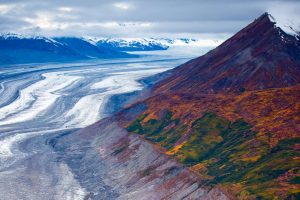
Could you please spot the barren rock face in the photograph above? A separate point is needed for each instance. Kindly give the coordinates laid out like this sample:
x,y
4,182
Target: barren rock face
x,y
110,163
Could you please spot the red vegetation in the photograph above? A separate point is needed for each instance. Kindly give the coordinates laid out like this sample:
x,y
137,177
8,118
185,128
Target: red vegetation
x,y
275,111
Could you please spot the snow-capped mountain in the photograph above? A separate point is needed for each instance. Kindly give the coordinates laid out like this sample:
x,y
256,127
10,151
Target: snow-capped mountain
x,y
17,48
89,49
259,56
132,44
14,36
147,44
27,49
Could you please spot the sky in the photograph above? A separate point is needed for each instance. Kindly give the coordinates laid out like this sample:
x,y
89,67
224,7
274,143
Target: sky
x,y
212,19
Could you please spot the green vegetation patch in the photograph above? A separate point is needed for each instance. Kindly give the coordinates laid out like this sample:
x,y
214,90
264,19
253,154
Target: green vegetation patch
x,y
165,131
231,152
206,135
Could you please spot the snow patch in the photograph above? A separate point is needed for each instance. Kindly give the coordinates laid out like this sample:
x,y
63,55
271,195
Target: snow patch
x,y
290,27
11,36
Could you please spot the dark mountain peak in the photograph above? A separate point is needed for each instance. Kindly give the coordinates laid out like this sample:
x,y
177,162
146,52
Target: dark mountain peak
x,y
262,29
266,16
259,56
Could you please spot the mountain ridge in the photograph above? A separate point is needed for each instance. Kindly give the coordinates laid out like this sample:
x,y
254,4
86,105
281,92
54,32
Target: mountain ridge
x,y
234,59
245,139
19,49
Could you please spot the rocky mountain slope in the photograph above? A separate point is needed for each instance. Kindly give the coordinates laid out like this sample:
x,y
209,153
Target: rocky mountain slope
x,y
260,56
111,163
232,115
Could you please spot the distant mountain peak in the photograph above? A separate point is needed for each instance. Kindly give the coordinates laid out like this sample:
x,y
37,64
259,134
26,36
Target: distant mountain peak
x,y
11,35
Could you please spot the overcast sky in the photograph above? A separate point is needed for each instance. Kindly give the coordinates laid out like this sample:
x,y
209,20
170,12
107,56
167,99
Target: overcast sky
x,y
138,18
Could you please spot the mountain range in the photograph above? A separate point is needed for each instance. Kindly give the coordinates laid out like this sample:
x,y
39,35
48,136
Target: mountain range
x,y
229,119
17,49
144,44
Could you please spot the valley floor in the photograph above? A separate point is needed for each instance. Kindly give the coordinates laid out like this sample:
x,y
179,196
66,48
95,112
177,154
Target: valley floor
x,y
42,102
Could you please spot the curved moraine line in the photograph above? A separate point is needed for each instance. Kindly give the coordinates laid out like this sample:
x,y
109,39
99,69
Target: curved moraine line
x,y
35,98
38,103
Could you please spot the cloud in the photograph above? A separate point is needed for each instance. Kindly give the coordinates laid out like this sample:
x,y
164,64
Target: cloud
x,y
65,9
122,5
5,8
138,18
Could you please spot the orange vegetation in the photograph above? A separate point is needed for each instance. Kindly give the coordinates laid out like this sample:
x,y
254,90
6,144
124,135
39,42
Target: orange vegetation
x,y
274,113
